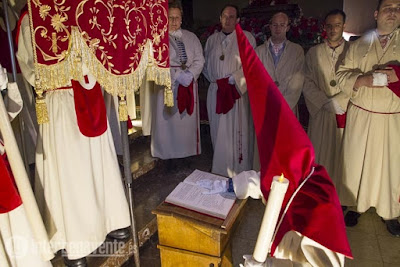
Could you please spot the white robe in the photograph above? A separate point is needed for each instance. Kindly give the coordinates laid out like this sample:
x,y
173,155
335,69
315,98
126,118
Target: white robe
x,y
232,134
288,74
371,139
294,248
18,246
176,135
25,127
326,137
78,183
289,71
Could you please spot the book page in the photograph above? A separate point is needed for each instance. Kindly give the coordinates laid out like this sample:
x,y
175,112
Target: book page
x,y
190,196
198,175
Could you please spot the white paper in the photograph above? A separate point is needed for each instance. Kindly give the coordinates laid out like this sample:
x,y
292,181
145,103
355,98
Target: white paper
x,y
189,195
198,175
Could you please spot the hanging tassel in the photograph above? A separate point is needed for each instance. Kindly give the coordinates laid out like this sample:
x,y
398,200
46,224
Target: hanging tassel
x,y
41,108
168,97
123,109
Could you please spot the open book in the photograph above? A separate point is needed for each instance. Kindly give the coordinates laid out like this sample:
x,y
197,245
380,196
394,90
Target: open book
x,y
189,195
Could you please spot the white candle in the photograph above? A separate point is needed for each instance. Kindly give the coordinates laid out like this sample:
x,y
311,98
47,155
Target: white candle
x,y
279,187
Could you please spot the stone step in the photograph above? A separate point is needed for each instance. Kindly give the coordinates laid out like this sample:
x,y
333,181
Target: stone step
x,y
121,252
141,160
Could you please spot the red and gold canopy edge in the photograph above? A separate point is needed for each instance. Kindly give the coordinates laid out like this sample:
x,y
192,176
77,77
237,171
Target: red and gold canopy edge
x,y
120,42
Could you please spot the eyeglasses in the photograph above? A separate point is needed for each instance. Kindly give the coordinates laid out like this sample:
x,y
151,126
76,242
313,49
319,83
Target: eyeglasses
x,y
388,10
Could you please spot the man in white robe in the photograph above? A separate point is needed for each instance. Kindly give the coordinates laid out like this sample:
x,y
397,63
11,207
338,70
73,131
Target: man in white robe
x,y
175,131
18,244
232,132
25,126
284,60
370,143
325,100
78,183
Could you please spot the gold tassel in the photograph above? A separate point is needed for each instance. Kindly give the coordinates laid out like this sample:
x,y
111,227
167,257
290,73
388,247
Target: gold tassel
x,y
131,131
123,109
168,97
41,108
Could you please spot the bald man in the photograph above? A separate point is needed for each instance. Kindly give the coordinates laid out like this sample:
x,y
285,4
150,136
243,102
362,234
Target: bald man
x,y
284,61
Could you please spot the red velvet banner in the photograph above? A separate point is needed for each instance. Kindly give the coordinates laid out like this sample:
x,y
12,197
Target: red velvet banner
x,y
116,31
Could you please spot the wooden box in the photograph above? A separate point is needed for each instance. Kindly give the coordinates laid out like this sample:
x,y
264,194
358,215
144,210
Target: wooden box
x,y
172,257
194,233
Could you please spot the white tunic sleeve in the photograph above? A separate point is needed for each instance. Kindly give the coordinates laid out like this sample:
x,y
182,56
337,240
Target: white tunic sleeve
x,y
296,82
25,52
315,98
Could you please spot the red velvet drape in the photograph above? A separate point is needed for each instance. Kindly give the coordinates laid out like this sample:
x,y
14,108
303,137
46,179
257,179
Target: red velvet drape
x,y
285,148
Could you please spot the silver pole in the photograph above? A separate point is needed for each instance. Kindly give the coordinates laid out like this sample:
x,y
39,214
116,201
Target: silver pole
x,y
128,181
14,76
10,41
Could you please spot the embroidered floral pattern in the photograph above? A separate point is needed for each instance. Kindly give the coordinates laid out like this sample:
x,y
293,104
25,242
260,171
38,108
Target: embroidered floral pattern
x,y
119,34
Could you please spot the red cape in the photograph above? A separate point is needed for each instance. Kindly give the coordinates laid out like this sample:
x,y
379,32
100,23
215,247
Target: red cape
x,y
284,147
9,197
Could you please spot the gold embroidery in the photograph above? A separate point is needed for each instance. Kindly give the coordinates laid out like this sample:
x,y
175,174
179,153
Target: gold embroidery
x,y
54,47
82,49
44,11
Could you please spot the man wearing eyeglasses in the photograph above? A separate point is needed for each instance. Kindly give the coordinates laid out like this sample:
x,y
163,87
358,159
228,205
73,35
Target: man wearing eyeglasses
x,y
370,74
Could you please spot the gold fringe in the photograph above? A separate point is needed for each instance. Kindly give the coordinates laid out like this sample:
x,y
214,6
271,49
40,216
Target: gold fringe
x,y
50,77
123,109
41,109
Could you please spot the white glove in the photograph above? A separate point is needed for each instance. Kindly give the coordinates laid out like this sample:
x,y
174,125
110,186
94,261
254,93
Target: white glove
x,y
185,78
333,107
231,80
213,186
3,78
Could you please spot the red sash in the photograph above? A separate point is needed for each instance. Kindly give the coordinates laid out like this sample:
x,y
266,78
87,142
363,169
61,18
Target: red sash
x,y
226,96
9,197
395,87
90,110
185,98
341,120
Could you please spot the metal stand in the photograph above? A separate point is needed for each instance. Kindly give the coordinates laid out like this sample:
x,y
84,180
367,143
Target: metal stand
x,y
128,181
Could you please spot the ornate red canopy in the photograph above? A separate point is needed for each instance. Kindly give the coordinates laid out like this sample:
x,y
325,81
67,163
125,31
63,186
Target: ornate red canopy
x,y
119,41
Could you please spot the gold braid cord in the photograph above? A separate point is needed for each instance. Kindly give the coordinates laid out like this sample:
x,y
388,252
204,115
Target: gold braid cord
x,y
67,64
